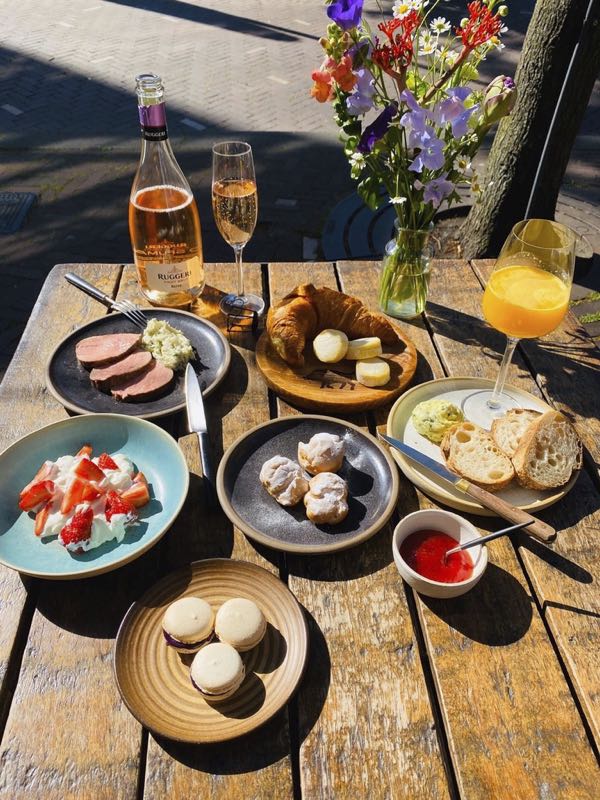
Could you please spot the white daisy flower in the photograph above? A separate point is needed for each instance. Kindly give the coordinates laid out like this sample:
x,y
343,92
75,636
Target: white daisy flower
x,y
357,164
403,7
463,165
440,25
427,43
397,201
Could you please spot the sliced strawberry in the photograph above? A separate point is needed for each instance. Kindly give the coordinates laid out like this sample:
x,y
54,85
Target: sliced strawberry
x,y
106,462
138,494
91,492
117,505
43,472
140,478
73,495
86,450
36,494
78,529
41,518
89,471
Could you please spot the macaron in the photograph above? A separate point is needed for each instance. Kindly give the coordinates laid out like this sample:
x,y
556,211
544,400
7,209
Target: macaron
x,y
188,624
240,623
217,671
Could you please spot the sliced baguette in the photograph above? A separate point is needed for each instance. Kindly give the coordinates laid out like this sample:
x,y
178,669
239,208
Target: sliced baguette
x,y
548,453
508,431
471,452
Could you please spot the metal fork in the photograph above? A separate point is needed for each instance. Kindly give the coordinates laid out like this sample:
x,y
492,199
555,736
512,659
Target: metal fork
x,y
125,307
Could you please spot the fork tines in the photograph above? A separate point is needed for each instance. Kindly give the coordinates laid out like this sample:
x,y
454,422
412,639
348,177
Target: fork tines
x,y
132,312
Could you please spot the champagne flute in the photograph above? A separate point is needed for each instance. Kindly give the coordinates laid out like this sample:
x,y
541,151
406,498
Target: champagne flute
x,y
528,292
235,208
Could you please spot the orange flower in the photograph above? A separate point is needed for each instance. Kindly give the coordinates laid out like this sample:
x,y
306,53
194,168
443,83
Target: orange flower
x,y
322,88
342,73
329,72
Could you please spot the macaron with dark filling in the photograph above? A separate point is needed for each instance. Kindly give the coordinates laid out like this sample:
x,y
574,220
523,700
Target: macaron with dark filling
x,y
188,624
217,671
240,623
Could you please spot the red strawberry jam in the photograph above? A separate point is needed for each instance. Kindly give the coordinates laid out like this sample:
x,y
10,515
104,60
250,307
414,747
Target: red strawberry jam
x,y
425,553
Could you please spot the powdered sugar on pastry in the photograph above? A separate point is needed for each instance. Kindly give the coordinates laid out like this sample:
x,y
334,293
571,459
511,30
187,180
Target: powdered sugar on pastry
x,y
324,452
326,500
284,480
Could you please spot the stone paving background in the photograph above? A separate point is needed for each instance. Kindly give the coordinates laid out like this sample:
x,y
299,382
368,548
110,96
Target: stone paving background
x,y
232,69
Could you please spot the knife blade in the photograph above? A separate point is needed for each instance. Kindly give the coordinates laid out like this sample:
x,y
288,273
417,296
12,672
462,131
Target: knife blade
x,y
197,424
535,527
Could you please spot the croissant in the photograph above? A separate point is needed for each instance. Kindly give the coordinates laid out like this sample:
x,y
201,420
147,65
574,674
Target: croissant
x,y
306,310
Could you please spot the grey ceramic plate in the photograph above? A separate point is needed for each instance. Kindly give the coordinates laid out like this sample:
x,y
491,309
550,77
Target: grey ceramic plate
x,y
368,469
69,382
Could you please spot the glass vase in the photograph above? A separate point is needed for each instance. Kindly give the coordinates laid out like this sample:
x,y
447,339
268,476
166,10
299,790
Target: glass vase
x,y
405,269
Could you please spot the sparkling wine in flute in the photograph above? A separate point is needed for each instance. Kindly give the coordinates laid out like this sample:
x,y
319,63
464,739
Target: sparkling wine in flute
x,y
163,218
235,209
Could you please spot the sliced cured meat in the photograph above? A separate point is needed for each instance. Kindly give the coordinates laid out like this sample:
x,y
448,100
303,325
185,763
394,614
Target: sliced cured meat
x,y
104,378
97,351
150,384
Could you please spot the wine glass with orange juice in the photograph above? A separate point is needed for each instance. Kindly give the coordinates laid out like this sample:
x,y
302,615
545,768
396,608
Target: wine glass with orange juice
x,y
528,292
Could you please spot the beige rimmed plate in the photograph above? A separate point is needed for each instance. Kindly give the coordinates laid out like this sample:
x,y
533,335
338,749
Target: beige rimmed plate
x,y
154,679
463,392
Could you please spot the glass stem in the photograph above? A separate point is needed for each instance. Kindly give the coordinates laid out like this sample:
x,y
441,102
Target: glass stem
x,y
511,343
237,249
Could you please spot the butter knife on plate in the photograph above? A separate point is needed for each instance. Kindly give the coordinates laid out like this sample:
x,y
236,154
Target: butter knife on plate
x,y
197,424
535,527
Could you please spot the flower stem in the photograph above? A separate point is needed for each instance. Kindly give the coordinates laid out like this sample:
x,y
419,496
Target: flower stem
x,y
447,75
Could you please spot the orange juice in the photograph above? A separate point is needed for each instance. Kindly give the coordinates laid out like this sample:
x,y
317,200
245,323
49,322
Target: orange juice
x,y
525,301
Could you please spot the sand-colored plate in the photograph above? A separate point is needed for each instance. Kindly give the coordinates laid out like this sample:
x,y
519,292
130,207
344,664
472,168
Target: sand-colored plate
x,y
154,680
333,387
462,392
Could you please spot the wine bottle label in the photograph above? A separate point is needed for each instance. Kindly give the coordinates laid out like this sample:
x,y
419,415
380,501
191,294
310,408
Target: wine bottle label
x,y
153,120
171,277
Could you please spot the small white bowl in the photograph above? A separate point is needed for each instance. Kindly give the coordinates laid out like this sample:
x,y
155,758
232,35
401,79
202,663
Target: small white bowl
x,y
456,527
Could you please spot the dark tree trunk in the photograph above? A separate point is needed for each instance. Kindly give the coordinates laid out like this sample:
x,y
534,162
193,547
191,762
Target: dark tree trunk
x,y
554,30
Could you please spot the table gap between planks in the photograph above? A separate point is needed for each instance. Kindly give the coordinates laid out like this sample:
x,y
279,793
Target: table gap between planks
x,y
491,695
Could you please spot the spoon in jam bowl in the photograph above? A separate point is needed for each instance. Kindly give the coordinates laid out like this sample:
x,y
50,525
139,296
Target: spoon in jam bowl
x,y
483,539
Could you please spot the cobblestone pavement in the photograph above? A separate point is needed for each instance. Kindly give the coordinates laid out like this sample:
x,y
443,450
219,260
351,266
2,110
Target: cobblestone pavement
x,y
232,69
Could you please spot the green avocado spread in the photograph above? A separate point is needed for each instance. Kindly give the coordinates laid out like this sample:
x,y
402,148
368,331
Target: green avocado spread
x,y
167,344
432,418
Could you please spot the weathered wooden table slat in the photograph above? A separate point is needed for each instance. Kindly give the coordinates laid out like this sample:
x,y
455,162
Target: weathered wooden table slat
x,y
364,645
490,695
203,532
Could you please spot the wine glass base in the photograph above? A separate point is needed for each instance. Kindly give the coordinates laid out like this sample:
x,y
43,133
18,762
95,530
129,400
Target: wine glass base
x,y
476,407
248,305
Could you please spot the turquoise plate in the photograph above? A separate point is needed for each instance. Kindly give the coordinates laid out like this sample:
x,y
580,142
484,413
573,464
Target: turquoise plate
x,y
154,453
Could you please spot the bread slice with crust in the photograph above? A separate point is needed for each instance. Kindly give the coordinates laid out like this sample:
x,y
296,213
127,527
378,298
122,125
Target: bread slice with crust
x,y
548,452
508,431
471,452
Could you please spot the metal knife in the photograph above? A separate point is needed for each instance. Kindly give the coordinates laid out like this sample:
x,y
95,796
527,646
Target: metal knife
x,y
535,527
197,424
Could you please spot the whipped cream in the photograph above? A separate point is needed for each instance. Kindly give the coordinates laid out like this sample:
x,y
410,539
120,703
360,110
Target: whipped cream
x,y
62,472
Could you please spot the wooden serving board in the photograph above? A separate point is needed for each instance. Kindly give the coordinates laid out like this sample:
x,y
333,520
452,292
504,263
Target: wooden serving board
x,y
333,387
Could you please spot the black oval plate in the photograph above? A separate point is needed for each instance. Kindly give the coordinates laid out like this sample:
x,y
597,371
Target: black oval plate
x,y
70,383
371,475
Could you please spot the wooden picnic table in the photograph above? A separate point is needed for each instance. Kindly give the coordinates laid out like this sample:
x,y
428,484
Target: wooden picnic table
x,y
492,695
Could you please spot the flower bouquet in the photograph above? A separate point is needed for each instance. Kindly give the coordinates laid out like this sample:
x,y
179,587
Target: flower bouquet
x,y
409,122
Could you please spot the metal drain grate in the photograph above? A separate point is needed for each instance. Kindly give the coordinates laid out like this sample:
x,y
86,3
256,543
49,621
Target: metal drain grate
x,y
14,207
